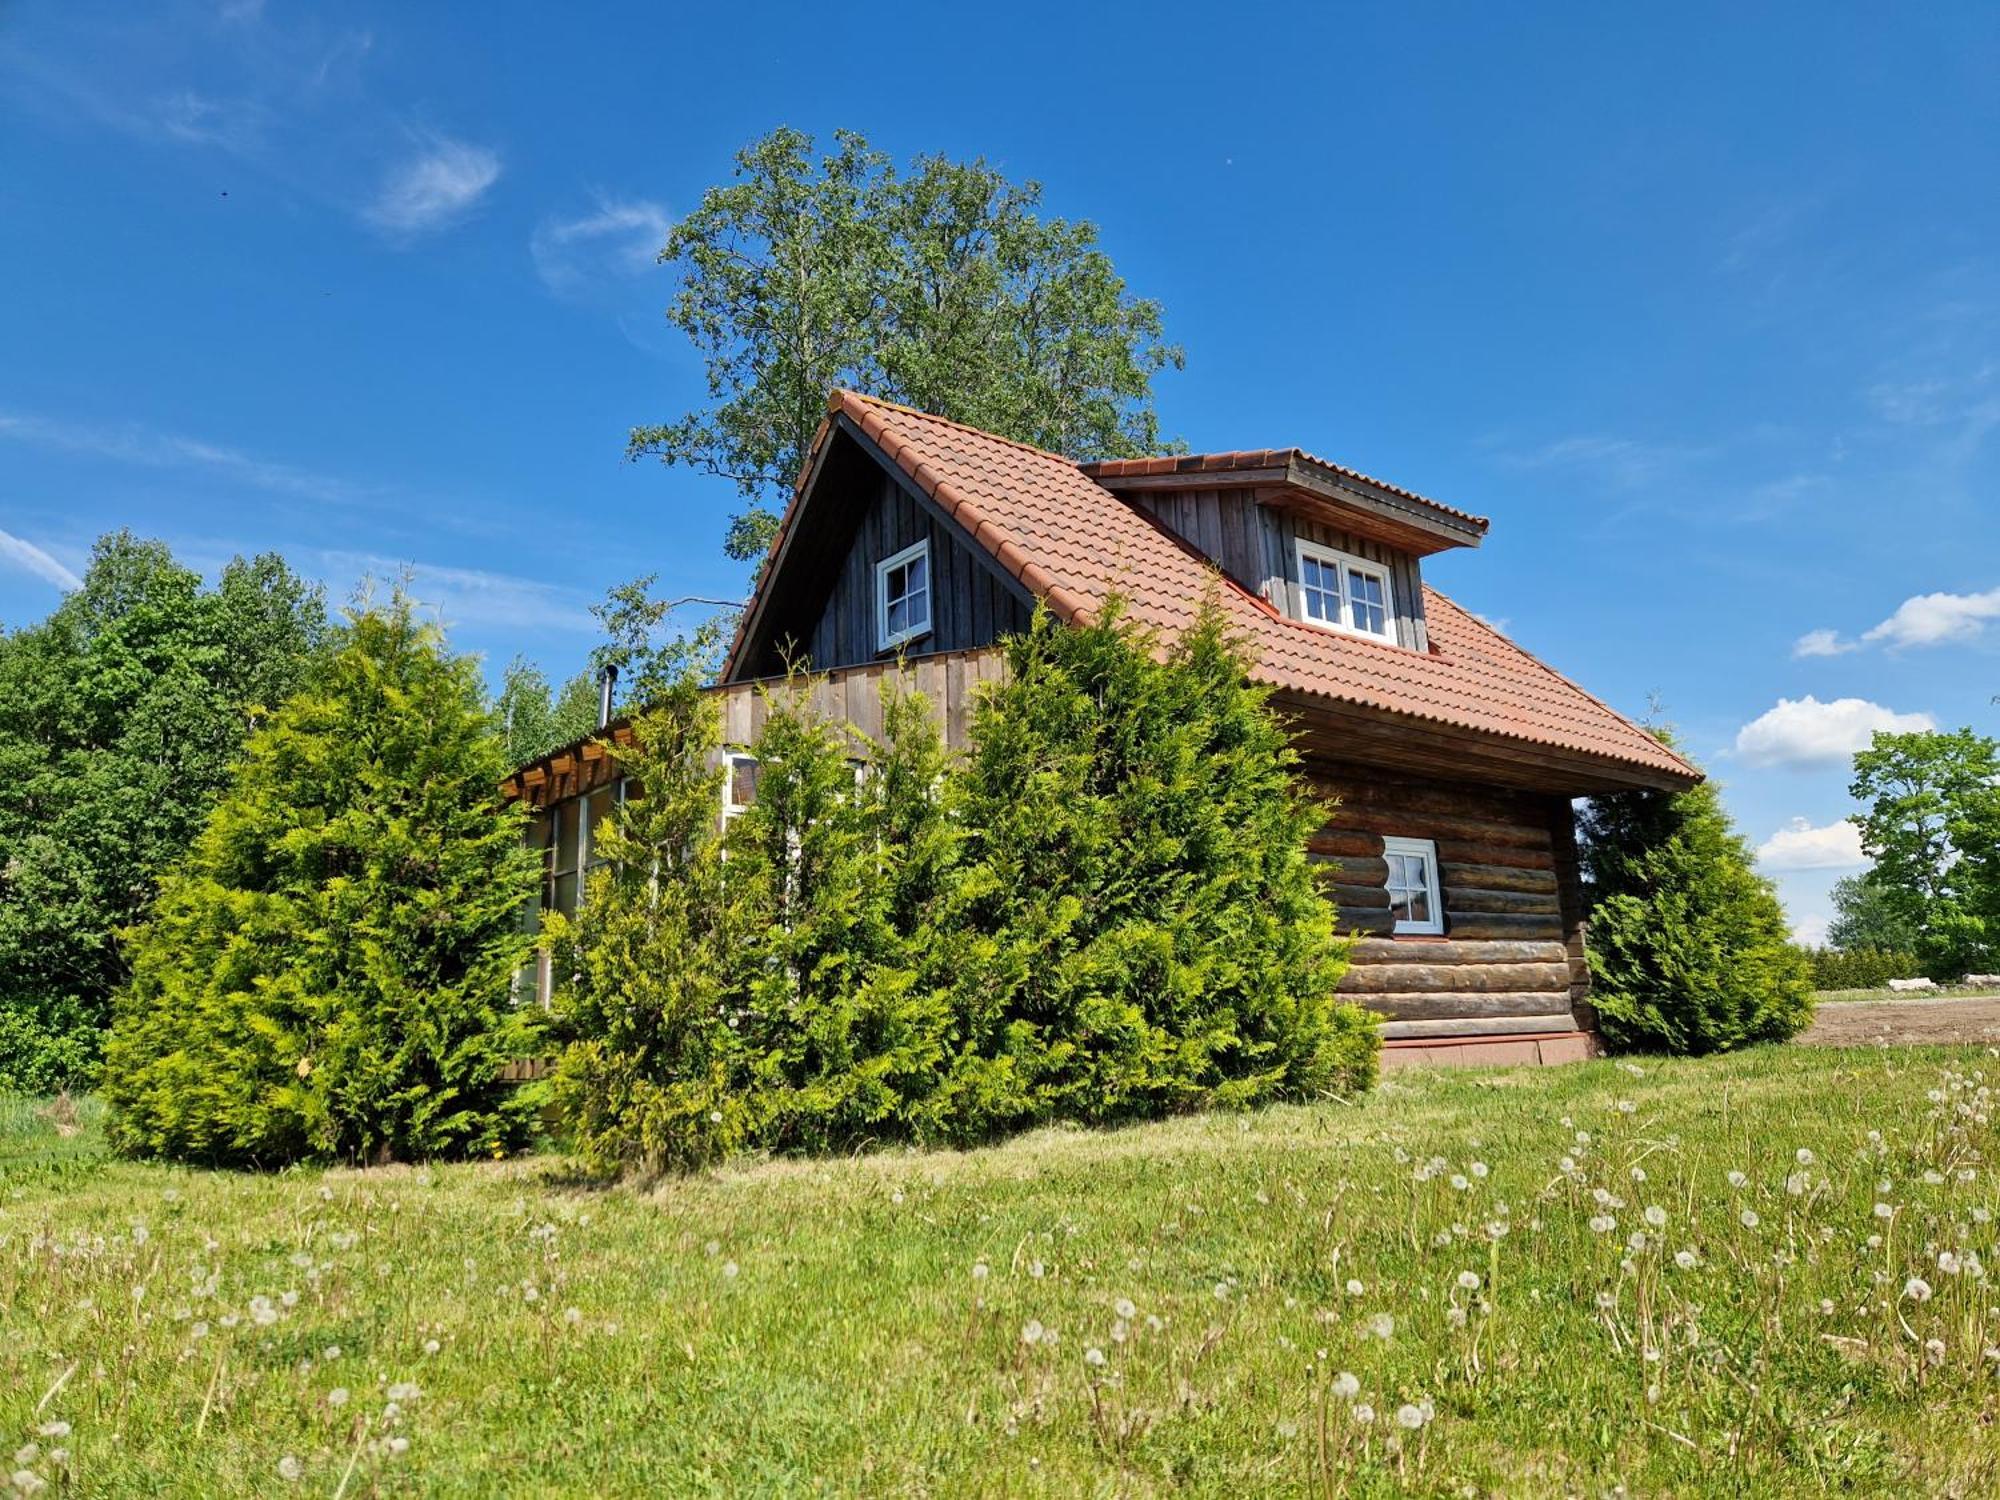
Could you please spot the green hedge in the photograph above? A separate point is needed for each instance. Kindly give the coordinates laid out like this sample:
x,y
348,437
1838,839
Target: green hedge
x,y
1860,968
1104,912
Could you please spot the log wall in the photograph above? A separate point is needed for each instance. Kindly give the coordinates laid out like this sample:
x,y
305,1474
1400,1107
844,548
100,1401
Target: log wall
x,y
1510,959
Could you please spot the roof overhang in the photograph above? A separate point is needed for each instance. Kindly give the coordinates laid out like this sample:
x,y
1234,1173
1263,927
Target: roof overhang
x,y
1291,479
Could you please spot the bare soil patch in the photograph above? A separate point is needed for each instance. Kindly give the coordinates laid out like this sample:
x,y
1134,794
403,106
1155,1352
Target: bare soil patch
x,y
1904,1022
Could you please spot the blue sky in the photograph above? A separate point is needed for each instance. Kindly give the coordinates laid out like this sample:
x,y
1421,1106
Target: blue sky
x,y
1702,309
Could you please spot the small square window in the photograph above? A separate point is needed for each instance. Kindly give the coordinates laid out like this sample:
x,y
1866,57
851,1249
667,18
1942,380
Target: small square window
x,y
903,596
1345,593
1415,900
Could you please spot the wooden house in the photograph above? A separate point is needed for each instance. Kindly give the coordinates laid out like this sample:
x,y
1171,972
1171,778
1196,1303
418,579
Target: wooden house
x,y
1454,754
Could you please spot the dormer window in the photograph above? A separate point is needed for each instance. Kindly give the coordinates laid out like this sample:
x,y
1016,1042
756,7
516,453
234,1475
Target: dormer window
x,y
903,596
1344,592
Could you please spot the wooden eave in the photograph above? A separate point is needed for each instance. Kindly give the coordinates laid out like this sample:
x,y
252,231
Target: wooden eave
x,y
1345,502
1326,729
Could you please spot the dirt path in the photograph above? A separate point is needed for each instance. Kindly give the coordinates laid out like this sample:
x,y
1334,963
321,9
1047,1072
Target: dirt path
x,y
1859,1023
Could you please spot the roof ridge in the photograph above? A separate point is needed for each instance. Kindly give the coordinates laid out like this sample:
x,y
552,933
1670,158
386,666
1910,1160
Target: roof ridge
x,y
842,394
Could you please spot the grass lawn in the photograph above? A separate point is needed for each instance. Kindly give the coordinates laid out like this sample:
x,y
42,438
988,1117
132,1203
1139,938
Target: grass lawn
x,y
1557,1276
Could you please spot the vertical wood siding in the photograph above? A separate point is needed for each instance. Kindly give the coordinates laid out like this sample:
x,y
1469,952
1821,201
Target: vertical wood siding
x,y
1253,544
972,603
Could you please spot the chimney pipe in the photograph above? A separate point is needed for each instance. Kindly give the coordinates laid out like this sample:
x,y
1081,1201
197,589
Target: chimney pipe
x,y
607,682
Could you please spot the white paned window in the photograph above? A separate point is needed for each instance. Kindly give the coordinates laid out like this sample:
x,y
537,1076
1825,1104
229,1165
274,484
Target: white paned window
x,y
1414,898
903,596
1343,592
739,784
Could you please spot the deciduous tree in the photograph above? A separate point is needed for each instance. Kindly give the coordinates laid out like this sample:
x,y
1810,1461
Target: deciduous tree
x,y
942,287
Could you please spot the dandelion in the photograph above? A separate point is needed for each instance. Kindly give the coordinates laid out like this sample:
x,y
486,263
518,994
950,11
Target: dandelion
x,y
1382,1326
1037,1270
729,1269
27,1453
1468,1281
1364,1414
1459,1182
53,1430
1948,1263
431,1346
571,1316
1797,1183
337,1397
980,1270
1409,1417
1354,1287
1883,1211
290,1469
28,1482
404,1390
1655,1216
1602,1223
1094,1357
1222,1291
1684,1259
1455,1316
1032,1332
1738,1180
1124,1309
1479,1169
397,1446
1917,1289
329,1354
1346,1386
1749,1218
1804,1157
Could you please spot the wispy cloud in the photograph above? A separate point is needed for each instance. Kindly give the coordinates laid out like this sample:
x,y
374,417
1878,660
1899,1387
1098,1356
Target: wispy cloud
x,y
24,556
467,596
235,125
434,189
131,443
1800,845
1613,462
620,237
1807,732
1822,643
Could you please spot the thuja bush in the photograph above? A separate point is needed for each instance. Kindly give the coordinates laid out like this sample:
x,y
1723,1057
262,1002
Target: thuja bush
x,y
1150,934
325,975
1688,944
1105,912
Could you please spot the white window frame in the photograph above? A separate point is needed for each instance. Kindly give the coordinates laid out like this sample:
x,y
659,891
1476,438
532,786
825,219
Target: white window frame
x,y
730,760
1427,851
885,640
1344,563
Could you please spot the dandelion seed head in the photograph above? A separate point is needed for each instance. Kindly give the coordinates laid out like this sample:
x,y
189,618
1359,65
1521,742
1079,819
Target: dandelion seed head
x,y
1916,1289
1346,1386
290,1469
1094,1356
1409,1417
1124,1309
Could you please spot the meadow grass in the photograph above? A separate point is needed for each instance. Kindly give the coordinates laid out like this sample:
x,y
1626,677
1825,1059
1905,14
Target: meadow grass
x,y
1762,1274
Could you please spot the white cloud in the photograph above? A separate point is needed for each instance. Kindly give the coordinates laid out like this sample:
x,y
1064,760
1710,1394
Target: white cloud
x,y
466,596
1937,619
1807,732
1822,643
620,238
134,444
1801,846
1811,931
17,552
439,186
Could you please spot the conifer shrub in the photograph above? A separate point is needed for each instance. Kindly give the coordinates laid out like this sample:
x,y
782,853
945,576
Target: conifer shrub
x,y
1689,951
325,976
1106,912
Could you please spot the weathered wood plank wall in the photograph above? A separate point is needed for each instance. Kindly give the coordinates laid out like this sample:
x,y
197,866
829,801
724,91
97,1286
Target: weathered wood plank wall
x,y
972,603
1254,544
1510,958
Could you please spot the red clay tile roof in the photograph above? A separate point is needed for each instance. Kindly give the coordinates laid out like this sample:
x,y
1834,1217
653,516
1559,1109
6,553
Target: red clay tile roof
x,y
1256,458
1074,543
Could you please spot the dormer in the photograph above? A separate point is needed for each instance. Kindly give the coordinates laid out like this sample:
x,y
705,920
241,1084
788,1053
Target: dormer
x,y
1319,543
